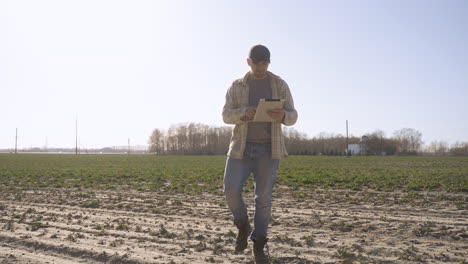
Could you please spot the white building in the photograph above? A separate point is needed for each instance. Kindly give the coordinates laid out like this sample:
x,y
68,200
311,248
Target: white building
x,y
354,149
358,148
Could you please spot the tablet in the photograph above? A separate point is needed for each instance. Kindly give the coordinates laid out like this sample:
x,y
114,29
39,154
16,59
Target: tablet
x,y
265,105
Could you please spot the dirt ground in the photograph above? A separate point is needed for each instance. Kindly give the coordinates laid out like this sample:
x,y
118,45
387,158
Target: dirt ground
x,y
319,226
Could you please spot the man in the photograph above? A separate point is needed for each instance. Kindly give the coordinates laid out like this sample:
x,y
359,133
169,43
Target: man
x,y
255,147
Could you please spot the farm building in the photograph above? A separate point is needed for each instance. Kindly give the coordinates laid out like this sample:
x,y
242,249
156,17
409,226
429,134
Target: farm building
x,y
354,149
358,148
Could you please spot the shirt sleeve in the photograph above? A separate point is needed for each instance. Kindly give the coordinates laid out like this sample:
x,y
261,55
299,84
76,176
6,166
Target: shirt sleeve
x,y
232,114
290,116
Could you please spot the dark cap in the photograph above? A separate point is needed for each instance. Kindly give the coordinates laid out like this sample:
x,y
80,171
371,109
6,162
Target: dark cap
x,y
259,53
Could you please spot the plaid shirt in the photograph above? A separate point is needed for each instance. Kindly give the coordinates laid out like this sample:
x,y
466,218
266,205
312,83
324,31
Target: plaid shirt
x,y
237,102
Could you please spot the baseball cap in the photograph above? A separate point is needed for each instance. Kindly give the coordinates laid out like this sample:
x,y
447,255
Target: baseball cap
x,y
259,53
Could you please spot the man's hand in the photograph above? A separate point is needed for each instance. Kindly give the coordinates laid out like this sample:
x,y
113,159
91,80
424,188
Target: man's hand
x,y
277,114
250,113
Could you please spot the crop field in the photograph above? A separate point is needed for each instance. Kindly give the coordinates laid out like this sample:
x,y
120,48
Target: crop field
x,y
200,174
170,209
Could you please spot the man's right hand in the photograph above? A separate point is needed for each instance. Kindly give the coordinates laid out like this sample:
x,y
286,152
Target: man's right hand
x,y
250,113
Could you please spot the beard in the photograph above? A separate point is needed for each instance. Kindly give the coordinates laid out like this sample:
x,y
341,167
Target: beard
x,y
259,74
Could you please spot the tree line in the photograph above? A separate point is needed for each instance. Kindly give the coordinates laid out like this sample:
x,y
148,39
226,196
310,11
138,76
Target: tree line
x,y
190,139
201,139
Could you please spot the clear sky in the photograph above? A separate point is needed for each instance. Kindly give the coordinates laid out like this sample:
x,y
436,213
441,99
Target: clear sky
x,y
126,67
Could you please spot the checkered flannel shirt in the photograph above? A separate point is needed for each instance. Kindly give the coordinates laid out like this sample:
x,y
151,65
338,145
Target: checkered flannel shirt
x,y
237,102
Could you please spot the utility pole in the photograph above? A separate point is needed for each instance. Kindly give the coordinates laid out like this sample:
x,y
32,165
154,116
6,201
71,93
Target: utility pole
x,y
16,141
76,136
347,144
381,145
128,146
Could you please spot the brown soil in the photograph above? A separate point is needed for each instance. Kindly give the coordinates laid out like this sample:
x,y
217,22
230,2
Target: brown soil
x,y
320,226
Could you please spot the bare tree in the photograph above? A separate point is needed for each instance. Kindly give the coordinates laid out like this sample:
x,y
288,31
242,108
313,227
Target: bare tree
x,y
156,142
191,139
409,140
459,149
438,148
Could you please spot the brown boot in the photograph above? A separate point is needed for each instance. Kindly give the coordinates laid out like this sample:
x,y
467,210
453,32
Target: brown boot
x,y
244,231
258,252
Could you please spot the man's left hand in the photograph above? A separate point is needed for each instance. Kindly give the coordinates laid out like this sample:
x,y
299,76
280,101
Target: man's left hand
x,y
277,114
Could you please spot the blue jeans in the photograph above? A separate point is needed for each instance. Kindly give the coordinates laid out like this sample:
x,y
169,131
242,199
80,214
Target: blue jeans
x,y
256,160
